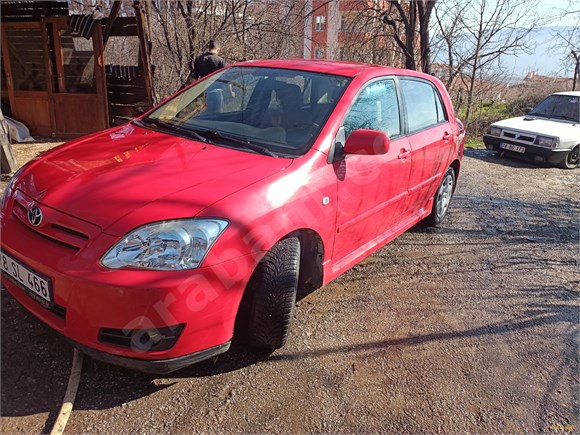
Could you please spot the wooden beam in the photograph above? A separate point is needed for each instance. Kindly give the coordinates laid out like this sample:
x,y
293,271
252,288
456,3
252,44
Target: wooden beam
x,y
110,21
8,163
48,65
144,51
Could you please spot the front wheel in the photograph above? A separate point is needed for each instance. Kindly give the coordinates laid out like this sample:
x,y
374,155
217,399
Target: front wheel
x,y
572,160
442,198
273,290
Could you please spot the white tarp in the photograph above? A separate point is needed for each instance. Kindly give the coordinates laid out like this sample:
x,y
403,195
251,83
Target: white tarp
x,y
17,131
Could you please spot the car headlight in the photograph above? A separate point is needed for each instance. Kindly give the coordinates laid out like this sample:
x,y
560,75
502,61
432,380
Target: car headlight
x,y
169,245
495,131
545,141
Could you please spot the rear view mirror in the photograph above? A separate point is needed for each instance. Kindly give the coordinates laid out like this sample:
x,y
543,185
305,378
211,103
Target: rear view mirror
x,y
367,142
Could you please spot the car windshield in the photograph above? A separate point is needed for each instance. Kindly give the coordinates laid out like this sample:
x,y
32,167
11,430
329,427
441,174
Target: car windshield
x,y
271,111
563,107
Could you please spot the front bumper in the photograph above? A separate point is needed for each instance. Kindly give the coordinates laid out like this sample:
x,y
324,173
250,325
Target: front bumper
x,y
159,367
89,299
532,152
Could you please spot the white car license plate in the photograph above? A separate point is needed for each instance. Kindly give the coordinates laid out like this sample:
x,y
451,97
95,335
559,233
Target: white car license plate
x,y
510,147
33,283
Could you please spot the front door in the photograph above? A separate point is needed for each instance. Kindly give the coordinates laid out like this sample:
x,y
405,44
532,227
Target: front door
x,y
372,190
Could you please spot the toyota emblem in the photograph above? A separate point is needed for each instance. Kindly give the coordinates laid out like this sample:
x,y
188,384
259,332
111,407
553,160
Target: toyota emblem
x,y
35,216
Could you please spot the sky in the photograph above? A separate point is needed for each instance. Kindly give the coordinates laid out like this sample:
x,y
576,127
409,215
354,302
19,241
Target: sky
x,y
547,59
558,7
546,56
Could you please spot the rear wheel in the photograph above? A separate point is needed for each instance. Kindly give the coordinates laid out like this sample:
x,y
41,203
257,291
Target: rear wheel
x,y
572,159
273,293
442,198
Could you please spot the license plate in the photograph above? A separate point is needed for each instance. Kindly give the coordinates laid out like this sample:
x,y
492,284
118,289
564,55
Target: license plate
x,y
36,285
510,147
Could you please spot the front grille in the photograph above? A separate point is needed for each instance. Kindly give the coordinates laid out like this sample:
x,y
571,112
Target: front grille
x,y
527,138
56,226
47,237
70,231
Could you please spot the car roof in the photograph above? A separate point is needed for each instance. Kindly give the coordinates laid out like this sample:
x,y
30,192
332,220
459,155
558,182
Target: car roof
x,y
346,69
570,93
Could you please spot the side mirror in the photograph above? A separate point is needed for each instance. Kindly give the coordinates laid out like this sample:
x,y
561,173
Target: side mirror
x,y
367,142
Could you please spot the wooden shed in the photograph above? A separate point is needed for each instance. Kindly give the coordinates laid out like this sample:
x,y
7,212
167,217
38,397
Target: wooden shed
x,y
74,67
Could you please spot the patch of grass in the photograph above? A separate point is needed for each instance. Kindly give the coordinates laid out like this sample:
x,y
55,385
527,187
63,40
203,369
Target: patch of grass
x,y
474,143
487,111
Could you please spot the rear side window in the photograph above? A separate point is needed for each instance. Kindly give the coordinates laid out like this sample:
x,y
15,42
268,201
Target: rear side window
x,y
423,103
375,108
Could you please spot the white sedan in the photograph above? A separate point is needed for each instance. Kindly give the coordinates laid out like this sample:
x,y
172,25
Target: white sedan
x,y
549,133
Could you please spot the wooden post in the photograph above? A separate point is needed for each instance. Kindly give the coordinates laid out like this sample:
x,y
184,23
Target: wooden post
x,y
112,17
9,163
145,57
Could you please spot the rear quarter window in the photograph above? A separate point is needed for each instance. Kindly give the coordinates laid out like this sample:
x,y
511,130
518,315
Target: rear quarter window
x,y
423,104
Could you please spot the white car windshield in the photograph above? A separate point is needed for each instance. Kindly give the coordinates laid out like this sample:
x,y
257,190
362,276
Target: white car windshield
x,y
563,107
273,111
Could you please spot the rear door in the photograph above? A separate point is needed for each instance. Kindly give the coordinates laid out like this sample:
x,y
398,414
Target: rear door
x,y
372,189
430,137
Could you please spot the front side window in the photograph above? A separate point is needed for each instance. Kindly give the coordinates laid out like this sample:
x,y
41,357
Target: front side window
x,y
423,103
268,107
375,108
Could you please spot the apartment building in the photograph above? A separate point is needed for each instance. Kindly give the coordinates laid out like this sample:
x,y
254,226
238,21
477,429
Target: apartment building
x,y
349,30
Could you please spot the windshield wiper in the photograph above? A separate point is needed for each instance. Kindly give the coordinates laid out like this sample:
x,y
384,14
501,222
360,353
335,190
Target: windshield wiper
x,y
172,127
552,116
241,142
152,121
561,117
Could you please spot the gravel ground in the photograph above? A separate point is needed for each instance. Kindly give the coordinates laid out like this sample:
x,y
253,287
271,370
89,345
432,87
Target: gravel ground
x,y
469,328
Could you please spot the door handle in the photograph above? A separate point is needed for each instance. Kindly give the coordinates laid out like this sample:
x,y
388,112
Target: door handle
x,y
446,136
403,154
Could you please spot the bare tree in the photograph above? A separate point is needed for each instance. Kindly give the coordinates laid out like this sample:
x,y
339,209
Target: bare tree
x,y
409,21
569,38
368,38
478,34
247,29
390,32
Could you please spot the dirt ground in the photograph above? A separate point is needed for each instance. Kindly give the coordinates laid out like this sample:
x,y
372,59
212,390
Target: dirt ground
x,y
469,328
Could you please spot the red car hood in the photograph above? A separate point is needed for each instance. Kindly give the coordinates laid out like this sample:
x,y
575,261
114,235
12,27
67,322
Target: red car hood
x,y
107,176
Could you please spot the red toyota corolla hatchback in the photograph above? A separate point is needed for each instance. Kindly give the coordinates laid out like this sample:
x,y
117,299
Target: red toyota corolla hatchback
x,y
145,244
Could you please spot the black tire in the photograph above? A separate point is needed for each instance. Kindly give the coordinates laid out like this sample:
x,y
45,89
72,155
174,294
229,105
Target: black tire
x,y
442,199
273,290
572,159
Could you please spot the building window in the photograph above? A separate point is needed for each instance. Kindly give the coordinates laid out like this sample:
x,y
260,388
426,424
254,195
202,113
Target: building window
x,y
320,23
319,53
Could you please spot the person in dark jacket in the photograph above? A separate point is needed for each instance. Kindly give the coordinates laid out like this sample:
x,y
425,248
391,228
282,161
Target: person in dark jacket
x,y
209,61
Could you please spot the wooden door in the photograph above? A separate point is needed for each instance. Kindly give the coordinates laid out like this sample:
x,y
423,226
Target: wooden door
x,y
79,99
27,75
